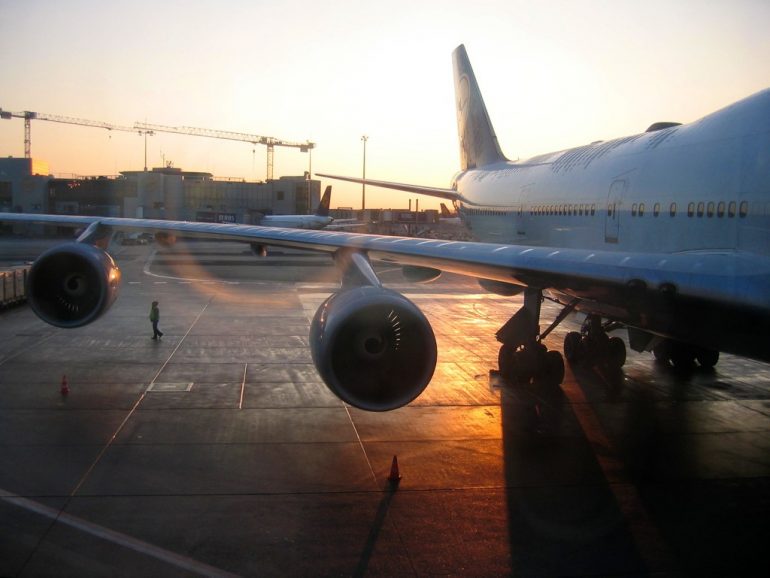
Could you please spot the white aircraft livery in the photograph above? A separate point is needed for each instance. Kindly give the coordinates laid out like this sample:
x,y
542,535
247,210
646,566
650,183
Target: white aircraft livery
x,y
317,220
665,233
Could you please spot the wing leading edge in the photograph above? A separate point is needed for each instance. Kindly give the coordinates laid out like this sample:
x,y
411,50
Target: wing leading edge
x,y
723,277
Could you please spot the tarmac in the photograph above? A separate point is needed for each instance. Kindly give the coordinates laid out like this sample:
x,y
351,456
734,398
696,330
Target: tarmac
x,y
218,450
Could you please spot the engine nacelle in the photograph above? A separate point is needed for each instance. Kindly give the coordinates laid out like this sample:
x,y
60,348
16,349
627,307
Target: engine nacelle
x,y
373,347
500,288
72,285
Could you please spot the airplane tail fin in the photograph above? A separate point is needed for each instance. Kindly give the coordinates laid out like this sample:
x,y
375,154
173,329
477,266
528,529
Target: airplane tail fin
x,y
323,206
478,142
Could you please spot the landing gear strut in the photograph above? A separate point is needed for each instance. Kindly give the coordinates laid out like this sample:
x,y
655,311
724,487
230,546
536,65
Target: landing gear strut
x,y
593,347
523,357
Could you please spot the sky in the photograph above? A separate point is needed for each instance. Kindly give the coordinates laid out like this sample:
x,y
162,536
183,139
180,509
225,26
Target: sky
x,y
554,74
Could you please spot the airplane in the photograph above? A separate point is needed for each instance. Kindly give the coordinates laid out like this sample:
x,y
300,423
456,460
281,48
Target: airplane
x,y
664,233
446,216
317,220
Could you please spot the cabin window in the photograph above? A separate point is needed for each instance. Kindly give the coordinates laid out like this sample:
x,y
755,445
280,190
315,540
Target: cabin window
x,y
731,209
656,210
633,210
710,210
701,208
721,209
593,210
744,209
691,209
641,210
672,210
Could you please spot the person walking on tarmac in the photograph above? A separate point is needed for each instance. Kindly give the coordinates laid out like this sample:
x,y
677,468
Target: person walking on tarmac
x,y
154,318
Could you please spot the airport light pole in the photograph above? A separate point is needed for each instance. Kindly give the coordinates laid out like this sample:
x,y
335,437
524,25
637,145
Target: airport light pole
x,y
363,184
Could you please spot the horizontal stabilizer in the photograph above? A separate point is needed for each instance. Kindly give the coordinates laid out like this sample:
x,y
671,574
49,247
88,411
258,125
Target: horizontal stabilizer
x,y
450,194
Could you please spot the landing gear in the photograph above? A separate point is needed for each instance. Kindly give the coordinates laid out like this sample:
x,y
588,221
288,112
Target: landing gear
x,y
592,346
531,364
523,357
683,355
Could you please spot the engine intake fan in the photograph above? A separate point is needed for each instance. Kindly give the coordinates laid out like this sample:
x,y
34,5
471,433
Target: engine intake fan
x,y
373,347
72,285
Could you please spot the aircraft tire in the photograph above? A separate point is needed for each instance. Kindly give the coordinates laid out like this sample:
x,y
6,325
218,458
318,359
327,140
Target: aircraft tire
x,y
707,358
573,347
616,353
552,368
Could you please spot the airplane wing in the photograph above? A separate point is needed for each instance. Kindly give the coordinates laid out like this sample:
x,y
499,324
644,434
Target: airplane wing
x,y
581,273
449,194
373,347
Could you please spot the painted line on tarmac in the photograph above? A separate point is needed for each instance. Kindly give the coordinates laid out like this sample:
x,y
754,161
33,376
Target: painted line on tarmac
x,y
118,538
243,386
131,412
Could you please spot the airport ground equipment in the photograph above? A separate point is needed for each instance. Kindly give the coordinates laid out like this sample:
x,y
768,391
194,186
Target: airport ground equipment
x,y
13,284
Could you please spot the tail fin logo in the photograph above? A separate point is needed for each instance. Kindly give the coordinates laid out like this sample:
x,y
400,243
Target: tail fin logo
x,y
478,142
323,206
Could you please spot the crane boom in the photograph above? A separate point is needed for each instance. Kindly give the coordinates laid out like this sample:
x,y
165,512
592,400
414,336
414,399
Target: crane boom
x,y
149,129
269,141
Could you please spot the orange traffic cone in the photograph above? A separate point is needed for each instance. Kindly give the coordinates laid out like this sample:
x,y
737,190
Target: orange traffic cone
x,y
394,476
65,389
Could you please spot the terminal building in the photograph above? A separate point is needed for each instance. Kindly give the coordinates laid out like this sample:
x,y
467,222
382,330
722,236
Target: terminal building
x,y
161,193
174,194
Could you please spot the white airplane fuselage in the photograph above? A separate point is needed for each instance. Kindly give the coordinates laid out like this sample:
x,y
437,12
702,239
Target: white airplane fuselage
x,y
704,186
692,197
296,221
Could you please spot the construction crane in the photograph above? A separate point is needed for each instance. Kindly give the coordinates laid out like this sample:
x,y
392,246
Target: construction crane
x,y
149,129
268,141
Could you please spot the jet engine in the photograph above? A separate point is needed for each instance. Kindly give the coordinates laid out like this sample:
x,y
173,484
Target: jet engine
x,y
373,347
72,285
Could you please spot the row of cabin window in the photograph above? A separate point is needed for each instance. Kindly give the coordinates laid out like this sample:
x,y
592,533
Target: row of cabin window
x,y
565,210
491,212
710,209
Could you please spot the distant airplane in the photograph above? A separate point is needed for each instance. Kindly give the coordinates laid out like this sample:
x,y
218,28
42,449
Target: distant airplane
x,y
446,216
317,220
665,233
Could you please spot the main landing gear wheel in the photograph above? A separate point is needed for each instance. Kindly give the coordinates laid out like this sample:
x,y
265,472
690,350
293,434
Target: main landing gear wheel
x,y
523,357
573,347
592,346
534,364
